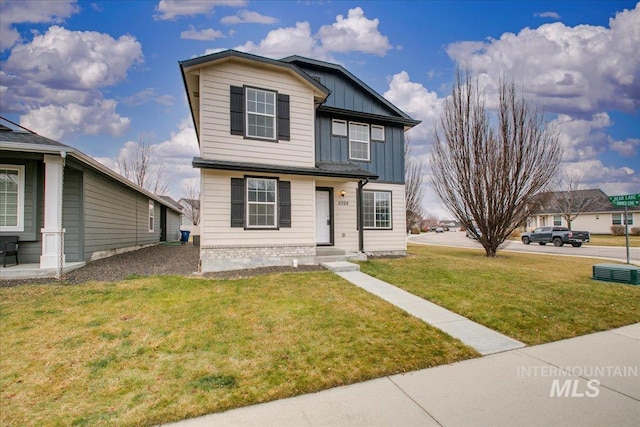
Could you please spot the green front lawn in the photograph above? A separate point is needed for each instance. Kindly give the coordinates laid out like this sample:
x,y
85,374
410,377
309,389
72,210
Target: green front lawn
x,y
532,298
151,350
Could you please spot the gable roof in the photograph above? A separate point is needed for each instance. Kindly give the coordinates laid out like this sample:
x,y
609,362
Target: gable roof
x,y
27,141
402,117
584,201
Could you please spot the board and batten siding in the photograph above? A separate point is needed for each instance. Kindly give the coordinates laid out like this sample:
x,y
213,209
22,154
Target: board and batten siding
x,y
386,157
115,216
215,213
216,141
394,240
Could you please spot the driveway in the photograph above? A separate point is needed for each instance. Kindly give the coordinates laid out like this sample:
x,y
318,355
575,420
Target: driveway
x,y
458,239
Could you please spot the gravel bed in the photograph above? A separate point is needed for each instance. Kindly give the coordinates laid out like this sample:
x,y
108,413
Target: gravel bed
x,y
162,259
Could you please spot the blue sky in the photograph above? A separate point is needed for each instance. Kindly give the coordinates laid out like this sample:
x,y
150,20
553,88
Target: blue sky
x,y
97,75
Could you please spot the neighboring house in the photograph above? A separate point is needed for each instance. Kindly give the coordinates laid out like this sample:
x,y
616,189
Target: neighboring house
x,y
190,219
59,201
596,213
295,154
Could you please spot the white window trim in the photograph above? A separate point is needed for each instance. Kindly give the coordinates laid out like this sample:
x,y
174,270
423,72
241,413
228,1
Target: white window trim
x,y
274,203
622,219
248,113
368,142
383,134
342,122
21,189
375,193
152,216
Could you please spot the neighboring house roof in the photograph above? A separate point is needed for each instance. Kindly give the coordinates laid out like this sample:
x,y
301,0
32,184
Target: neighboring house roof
x,y
336,170
195,203
402,117
171,202
585,202
31,142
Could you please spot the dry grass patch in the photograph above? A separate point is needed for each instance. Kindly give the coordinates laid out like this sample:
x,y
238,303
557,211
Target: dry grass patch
x,y
532,298
152,350
611,240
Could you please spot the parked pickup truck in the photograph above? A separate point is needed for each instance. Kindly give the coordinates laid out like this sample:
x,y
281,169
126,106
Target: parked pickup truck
x,y
556,235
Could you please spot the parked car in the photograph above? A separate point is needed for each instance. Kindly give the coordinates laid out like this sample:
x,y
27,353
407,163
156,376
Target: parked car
x,y
556,235
439,230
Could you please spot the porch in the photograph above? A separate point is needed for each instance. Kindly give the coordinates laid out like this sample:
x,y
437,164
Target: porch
x,y
33,271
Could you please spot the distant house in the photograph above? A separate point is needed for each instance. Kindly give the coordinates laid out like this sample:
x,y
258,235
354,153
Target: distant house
x,y
63,205
298,157
596,213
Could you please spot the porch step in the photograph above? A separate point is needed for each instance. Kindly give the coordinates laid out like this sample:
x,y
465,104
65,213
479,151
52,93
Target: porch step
x,y
328,251
340,266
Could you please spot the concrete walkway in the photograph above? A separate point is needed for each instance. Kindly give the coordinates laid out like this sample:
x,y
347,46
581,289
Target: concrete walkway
x,y
586,381
482,339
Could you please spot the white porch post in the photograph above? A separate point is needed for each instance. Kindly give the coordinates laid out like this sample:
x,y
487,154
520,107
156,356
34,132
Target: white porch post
x,y
52,232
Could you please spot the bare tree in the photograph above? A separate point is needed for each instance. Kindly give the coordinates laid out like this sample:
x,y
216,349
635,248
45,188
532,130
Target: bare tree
x,y
414,176
572,199
134,163
490,174
191,201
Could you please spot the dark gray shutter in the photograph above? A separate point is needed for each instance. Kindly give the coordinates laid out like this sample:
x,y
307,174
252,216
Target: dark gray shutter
x,y
284,204
237,202
283,117
237,110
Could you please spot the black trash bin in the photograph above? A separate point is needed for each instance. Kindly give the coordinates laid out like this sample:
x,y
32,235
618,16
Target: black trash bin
x,y
184,236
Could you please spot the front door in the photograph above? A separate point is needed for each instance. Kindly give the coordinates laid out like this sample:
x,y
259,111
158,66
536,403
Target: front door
x,y
323,217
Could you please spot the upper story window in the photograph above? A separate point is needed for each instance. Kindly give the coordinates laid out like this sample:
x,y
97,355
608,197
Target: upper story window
x,y
11,198
359,141
339,127
376,207
152,216
377,133
261,113
616,219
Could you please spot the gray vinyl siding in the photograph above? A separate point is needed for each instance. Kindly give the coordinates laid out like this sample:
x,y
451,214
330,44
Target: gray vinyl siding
x,y
72,218
115,216
386,158
173,226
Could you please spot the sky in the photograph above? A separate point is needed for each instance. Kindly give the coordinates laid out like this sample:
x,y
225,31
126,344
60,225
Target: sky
x,y
103,75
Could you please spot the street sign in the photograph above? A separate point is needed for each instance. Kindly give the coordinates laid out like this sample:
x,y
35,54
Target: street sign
x,y
628,200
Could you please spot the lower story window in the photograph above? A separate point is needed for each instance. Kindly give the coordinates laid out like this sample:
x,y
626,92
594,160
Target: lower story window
x,y
11,197
152,216
261,202
557,220
616,219
376,207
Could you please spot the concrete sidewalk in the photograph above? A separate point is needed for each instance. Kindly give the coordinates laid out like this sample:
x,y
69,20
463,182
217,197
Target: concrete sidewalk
x,y
586,381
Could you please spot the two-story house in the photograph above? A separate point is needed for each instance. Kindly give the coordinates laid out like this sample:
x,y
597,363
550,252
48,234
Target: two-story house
x,y
295,155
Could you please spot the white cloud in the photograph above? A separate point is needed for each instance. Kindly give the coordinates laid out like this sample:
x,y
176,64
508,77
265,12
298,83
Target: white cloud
x,y
355,33
572,70
551,15
56,121
417,101
146,95
286,41
19,12
76,60
627,148
207,34
171,9
247,17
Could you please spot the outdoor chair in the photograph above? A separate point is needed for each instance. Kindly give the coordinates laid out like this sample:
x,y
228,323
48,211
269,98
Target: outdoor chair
x,y
9,247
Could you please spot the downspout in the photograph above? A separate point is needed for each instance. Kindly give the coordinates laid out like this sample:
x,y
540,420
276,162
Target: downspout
x,y
361,184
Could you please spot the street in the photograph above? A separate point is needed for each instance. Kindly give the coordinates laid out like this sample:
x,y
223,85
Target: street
x,y
458,239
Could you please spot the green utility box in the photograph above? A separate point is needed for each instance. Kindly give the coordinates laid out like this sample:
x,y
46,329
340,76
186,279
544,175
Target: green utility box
x,y
620,273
